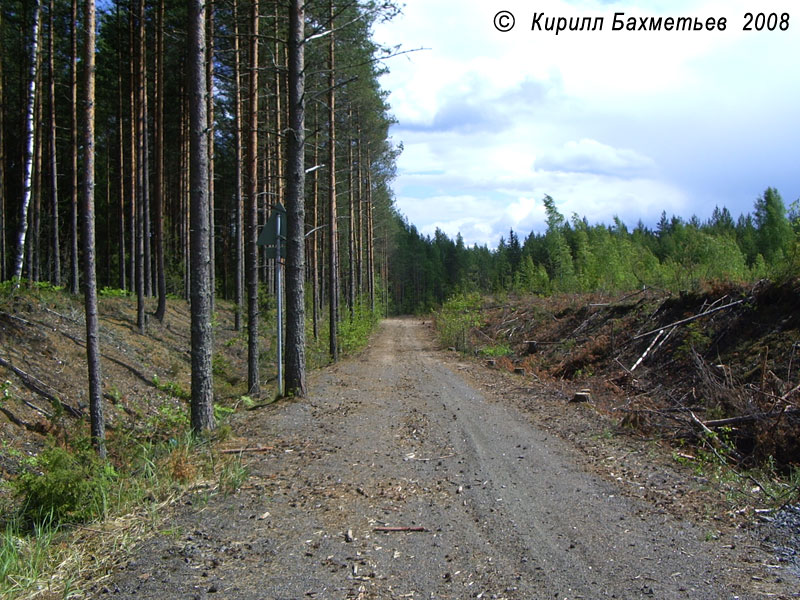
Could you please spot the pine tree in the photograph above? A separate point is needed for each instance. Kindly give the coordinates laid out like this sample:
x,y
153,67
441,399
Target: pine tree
x,y
88,236
295,203
202,410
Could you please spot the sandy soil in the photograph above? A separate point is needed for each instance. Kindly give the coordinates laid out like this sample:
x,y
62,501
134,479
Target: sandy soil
x,y
511,492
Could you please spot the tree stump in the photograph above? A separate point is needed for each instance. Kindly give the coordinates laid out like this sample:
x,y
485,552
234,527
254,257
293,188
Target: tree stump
x,y
582,396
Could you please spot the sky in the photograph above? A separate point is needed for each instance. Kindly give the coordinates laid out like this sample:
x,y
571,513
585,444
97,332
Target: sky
x,y
608,123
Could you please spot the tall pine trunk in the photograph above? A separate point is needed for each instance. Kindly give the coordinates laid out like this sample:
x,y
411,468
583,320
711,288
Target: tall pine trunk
x,y
88,238
210,133
333,250
158,192
3,259
202,410
351,229
28,145
74,278
315,233
123,277
370,239
56,245
237,132
140,132
251,211
295,207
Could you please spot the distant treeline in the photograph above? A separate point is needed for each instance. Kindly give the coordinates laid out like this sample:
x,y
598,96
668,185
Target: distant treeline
x,y
574,256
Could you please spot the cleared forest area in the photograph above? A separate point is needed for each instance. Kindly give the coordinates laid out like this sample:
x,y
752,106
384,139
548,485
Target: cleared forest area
x,y
714,372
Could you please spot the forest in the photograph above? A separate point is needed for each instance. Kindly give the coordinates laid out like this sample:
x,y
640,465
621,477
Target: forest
x,y
147,161
145,148
574,256
145,144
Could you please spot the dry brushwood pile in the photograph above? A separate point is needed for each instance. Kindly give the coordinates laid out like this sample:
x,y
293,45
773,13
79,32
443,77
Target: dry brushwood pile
x,y
718,369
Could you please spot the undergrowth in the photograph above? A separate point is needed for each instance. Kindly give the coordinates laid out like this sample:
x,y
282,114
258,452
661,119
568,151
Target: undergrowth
x,y
65,487
64,513
457,319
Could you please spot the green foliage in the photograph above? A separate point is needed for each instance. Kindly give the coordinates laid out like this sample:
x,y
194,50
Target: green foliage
x,y
574,256
69,486
496,351
168,423
110,292
171,388
457,317
695,339
354,332
221,412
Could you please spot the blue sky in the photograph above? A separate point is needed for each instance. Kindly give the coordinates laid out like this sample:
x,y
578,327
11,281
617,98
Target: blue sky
x,y
606,122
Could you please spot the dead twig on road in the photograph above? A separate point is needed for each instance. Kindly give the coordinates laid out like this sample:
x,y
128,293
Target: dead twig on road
x,y
243,450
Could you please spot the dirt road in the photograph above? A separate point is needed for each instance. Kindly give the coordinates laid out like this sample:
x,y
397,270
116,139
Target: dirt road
x,y
398,438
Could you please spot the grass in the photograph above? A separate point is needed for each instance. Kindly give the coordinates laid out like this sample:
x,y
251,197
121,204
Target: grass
x,y
64,496
25,558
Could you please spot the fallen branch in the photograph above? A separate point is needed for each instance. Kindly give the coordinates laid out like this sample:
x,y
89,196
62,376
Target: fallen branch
x,y
646,352
689,319
242,450
39,387
15,419
399,529
58,314
131,368
37,409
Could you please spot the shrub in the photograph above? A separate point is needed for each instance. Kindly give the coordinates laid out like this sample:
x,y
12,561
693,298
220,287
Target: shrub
x,y
457,317
69,487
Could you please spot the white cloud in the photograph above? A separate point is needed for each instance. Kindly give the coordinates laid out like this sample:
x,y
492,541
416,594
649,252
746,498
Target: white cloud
x,y
591,156
608,123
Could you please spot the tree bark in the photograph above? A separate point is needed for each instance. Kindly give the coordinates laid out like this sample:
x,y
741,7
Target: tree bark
x,y
295,207
251,211
158,192
88,238
56,247
315,232
140,133
28,159
3,258
370,239
360,215
34,250
351,217
333,251
210,133
237,132
132,154
123,277
74,279
202,410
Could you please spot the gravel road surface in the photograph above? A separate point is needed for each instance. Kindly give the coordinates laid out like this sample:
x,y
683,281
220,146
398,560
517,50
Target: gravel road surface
x,y
397,478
